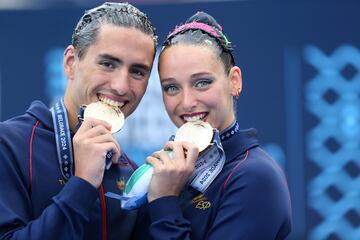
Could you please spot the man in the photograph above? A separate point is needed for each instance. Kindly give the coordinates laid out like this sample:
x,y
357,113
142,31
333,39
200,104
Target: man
x,y
52,174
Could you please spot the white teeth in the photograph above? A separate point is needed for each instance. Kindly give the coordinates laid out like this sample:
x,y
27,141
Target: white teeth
x,y
111,102
194,118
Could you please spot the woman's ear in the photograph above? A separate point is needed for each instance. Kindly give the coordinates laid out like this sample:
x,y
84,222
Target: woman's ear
x,y
69,62
235,81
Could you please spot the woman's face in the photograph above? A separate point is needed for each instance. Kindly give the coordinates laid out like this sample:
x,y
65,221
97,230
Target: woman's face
x,y
196,87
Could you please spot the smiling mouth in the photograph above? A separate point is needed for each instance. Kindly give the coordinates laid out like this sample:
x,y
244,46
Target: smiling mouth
x,y
112,102
194,117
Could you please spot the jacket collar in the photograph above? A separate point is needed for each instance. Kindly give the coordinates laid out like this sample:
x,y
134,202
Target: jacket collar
x,y
238,144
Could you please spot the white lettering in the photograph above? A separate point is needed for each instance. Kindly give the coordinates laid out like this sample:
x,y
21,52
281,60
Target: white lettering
x,y
63,143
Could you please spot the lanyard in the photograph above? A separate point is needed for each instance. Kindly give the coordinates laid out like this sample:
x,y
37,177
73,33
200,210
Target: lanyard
x,y
230,131
209,165
63,138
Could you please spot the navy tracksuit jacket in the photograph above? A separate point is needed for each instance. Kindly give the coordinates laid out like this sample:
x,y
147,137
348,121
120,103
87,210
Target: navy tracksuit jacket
x,y
248,200
35,202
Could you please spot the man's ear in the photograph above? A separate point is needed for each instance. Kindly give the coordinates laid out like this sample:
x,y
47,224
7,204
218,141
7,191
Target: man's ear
x,y
69,62
235,78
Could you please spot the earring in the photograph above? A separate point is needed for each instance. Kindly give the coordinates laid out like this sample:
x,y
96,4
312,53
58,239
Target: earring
x,y
238,91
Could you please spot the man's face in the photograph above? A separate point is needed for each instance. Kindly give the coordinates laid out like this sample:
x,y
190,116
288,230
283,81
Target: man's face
x,y
115,69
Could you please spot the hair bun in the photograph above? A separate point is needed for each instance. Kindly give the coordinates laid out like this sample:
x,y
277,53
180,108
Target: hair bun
x,y
205,18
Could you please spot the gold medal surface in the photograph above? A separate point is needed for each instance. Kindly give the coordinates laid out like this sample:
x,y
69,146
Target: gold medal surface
x,y
107,113
199,133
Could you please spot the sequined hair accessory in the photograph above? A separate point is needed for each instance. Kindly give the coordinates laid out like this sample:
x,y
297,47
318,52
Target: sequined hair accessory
x,y
208,25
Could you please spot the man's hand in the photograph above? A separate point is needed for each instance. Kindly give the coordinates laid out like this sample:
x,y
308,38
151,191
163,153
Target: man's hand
x,y
171,173
91,143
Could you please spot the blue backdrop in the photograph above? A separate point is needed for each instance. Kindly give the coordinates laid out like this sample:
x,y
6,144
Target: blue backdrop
x,y
300,63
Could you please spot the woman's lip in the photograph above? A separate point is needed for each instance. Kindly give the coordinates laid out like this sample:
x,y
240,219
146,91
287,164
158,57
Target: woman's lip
x,y
203,118
192,114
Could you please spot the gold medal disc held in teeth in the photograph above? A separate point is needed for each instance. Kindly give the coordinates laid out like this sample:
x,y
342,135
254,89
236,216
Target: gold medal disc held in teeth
x,y
107,113
199,133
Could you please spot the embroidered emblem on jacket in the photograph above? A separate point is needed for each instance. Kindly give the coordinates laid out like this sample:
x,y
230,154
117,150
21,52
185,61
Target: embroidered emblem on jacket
x,y
121,183
201,202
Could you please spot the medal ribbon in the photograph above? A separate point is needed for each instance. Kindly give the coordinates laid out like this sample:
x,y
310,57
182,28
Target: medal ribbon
x,y
230,131
63,138
208,165
211,162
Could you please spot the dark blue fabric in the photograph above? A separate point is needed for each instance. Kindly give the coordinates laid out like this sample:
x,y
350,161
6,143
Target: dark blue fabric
x,y
254,204
51,209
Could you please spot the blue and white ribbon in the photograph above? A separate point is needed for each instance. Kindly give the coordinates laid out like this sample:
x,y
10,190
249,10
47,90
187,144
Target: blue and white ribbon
x,y
63,138
209,165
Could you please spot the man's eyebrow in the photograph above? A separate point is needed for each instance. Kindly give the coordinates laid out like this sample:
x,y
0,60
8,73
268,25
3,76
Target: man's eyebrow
x,y
115,59
109,57
141,66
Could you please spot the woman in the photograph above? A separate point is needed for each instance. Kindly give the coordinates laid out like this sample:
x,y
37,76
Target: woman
x,y
249,198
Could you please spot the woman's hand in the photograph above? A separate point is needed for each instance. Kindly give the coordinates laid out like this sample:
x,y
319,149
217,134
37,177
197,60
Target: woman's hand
x,y
171,172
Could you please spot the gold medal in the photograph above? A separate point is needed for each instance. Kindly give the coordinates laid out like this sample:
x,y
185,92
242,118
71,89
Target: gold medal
x,y
199,133
107,113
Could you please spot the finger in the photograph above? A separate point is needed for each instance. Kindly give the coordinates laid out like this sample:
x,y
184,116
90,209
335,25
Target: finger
x,y
162,156
156,154
169,145
192,152
110,147
115,158
176,148
95,131
108,138
155,163
100,138
92,135
89,123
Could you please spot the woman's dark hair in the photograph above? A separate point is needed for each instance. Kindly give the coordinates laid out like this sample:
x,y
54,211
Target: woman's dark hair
x,y
203,29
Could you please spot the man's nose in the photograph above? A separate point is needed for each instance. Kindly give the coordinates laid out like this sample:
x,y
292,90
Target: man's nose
x,y
120,82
